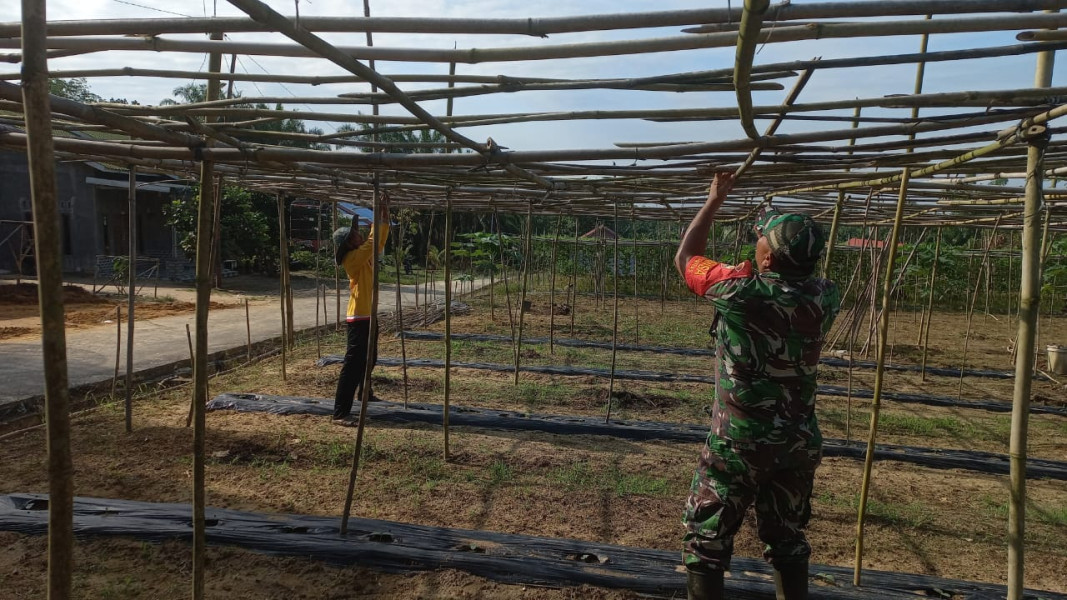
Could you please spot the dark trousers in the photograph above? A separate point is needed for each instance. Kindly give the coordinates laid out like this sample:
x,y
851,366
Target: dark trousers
x,y
354,369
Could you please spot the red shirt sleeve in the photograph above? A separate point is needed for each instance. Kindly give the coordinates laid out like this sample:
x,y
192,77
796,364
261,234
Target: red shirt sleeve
x,y
701,273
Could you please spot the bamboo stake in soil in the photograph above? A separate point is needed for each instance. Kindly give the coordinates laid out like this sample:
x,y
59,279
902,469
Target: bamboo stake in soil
x,y
552,290
982,266
879,373
376,234
930,307
118,348
1029,307
131,288
337,272
615,319
248,331
398,247
282,259
46,228
637,318
574,276
525,277
448,317
504,268
204,242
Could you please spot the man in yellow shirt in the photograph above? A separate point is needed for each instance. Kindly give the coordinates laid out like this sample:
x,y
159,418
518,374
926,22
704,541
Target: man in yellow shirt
x,y
357,256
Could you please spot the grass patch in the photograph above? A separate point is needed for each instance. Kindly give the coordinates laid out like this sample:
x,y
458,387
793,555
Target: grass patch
x,y
914,514
580,475
913,425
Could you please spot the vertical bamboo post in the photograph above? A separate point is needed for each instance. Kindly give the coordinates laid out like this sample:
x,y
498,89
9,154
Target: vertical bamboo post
x,y
216,240
336,273
448,316
192,365
504,267
525,278
204,239
552,290
48,251
398,250
492,282
637,317
832,238
930,306
131,288
574,275
118,348
377,233
318,247
283,258
1029,306
1043,255
248,333
879,373
615,318
983,265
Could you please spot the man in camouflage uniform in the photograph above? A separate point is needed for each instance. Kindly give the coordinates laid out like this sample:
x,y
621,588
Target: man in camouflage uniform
x,y
764,445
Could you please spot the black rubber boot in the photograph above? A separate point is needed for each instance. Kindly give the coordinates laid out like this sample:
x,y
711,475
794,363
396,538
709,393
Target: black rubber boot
x,y
705,584
791,581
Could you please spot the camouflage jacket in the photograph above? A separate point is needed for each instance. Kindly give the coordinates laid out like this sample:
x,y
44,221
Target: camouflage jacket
x,y
769,335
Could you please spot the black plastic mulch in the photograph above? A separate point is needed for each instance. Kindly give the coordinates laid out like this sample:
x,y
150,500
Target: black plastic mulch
x,y
392,412
509,558
828,361
639,375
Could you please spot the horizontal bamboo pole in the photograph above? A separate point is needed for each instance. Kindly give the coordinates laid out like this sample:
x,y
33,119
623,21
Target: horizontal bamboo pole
x,y
539,27
775,34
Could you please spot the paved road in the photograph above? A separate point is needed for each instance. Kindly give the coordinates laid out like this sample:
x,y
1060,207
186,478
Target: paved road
x,y
91,352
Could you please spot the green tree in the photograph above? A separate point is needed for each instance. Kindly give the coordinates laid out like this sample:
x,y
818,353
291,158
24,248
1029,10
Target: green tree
x,y
73,89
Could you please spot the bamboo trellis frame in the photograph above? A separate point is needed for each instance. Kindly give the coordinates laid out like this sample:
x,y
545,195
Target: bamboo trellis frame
x,y
973,136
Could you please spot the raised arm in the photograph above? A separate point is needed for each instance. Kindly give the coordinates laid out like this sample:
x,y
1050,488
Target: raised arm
x,y
695,238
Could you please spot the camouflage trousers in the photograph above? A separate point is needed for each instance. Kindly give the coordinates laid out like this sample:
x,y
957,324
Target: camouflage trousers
x,y
729,478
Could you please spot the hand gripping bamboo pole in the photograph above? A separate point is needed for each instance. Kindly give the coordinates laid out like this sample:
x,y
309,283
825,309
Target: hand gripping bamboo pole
x,y
46,225
204,241
1029,306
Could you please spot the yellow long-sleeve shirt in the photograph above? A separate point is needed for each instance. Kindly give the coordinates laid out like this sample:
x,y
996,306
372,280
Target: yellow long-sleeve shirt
x,y
360,269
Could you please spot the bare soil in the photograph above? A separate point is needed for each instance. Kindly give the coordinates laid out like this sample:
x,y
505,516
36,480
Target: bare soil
x,y
82,309
948,523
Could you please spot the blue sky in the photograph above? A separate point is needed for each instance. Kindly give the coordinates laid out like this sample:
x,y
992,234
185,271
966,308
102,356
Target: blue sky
x,y
1015,72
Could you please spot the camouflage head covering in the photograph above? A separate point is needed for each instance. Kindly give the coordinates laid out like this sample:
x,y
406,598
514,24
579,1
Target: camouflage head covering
x,y
796,241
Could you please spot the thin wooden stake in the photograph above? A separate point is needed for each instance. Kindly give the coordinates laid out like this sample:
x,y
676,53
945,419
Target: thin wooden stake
x,y
615,319
930,305
637,317
552,291
378,233
525,277
448,317
398,249
248,333
283,257
131,288
118,348
879,374
574,275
